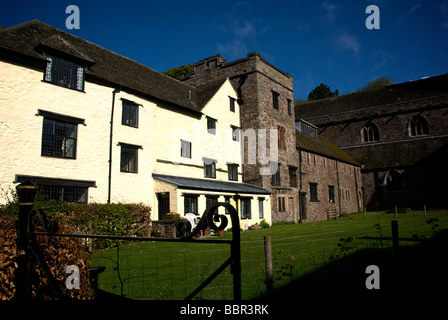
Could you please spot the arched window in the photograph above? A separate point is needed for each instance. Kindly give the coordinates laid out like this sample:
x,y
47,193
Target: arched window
x,y
418,126
392,180
369,132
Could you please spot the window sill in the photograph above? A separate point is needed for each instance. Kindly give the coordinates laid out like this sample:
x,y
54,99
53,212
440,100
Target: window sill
x,y
57,157
55,84
129,126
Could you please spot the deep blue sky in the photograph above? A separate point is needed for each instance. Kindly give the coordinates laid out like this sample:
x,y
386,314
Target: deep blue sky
x,y
316,41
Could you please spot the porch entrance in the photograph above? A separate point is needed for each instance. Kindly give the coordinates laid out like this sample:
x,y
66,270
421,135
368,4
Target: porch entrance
x,y
164,204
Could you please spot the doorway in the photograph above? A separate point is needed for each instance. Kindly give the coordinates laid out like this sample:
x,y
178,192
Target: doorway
x,y
302,206
164,204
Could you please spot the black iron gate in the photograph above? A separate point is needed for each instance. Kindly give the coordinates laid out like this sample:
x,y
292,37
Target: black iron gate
x,y
30,217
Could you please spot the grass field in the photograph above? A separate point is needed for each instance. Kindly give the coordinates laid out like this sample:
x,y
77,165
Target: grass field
x,y
308,259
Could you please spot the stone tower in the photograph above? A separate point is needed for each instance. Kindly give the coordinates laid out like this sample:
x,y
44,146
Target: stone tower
x,y
267,102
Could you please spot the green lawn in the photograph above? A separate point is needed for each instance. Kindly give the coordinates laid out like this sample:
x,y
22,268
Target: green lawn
x,y
165,270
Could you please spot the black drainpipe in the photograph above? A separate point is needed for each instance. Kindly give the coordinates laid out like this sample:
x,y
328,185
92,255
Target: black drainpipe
x,y
110,143
356,185
339,190
300,185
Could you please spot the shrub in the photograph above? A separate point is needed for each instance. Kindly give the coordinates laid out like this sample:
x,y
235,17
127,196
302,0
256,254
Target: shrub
x,y
59,252
264,224
114,219
117,219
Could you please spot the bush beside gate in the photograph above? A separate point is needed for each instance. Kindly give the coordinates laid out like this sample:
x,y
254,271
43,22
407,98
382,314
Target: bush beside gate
x,y
109,219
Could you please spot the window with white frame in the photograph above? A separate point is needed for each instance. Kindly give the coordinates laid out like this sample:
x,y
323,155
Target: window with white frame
x,y
191,203
185,149
245,208
209,168
260,208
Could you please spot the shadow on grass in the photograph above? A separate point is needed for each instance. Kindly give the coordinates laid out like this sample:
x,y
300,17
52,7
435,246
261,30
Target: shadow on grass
x,y
422,273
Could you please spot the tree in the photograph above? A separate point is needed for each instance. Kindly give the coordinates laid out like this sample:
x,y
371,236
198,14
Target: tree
x,y
378,83
321,92
180,71
300,101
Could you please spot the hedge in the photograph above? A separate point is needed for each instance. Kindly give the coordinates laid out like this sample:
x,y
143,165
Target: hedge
x,y
59,252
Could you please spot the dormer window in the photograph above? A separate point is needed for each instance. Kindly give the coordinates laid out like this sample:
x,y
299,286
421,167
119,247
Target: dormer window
x,y
64,73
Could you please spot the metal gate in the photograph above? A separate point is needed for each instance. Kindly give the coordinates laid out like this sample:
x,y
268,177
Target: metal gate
x,y
30,217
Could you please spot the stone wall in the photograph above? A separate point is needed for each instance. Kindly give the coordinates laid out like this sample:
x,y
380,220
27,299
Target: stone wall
x,y
326,172
166,228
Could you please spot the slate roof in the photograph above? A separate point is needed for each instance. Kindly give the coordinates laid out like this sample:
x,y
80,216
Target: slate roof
x,y
323,147
207,91
400,153
210,185
28,41
374,100
382,101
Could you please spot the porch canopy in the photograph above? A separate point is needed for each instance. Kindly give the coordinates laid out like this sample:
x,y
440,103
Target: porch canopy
x,y
210,185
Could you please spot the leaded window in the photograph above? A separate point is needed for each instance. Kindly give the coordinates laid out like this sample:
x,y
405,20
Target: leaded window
x,y
64,73
129,115
245,208
191,203
129,159
233,172
59,139
209,168
63,193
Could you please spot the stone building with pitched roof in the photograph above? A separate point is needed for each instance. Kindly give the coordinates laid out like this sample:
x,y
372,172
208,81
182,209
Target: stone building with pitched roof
x,y
265,95
86,124
330,179
399,135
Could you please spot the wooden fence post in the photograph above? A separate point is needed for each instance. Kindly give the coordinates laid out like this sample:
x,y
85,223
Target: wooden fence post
x,y
395,244
26,192
269,268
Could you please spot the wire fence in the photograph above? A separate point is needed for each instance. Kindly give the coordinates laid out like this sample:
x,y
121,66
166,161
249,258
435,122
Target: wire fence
x,y
163,271
158,270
